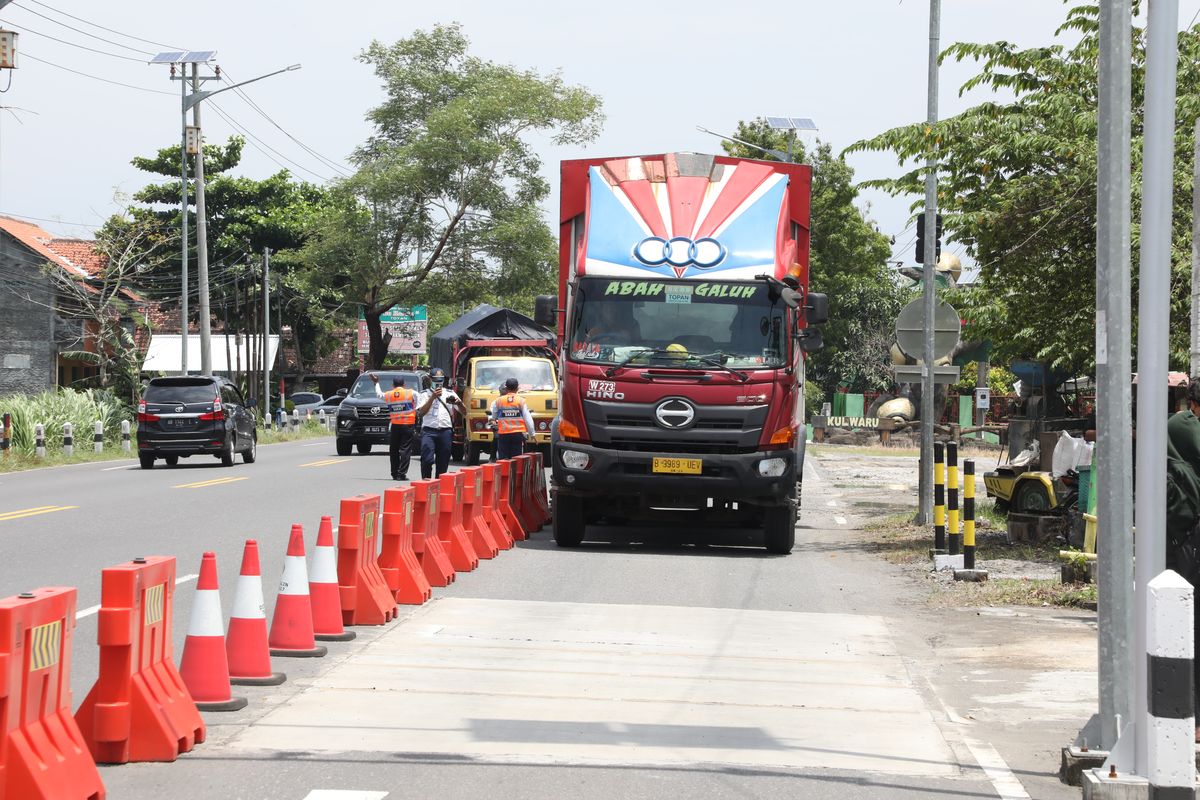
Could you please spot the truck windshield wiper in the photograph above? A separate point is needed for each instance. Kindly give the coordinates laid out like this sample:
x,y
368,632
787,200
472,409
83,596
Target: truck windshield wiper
x,y
741,376
645,351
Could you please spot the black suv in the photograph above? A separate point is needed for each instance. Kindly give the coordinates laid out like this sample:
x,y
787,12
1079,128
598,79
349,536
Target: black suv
x,y
363,417
187,416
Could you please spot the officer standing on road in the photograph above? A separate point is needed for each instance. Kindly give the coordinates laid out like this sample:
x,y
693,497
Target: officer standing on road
x,y
514,423
402,405
436,422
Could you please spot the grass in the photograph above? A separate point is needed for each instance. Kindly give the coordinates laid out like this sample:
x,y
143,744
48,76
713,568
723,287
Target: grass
x,y
820,447
1019,592
309,430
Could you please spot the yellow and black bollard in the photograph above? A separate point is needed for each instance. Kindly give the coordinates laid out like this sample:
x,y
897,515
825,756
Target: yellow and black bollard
x,y
953,537
939,498
968,514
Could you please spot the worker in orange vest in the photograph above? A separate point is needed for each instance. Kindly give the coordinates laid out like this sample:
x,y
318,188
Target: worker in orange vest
x,y
402,405
514,423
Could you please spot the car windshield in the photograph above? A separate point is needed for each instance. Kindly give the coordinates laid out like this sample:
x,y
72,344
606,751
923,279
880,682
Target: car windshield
x,y
365,388
303,398
532,376
198,391
678,323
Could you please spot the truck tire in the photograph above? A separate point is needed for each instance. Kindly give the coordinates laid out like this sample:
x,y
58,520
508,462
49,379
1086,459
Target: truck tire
x,y
344,447
569,522
473,451
456,453
779,528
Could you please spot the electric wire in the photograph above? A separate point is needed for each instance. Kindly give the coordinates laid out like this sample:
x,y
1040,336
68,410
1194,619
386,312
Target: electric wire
x,y
101,27
85,33
95,77
244,130
75,44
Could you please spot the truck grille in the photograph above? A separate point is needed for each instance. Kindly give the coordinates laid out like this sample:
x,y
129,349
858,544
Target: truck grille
x,y
717,429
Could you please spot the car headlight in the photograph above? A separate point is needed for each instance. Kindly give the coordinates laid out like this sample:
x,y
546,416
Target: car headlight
x,y
573,459
772,467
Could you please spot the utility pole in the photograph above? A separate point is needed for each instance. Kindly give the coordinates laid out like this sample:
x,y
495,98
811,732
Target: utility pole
x,y
1154,285
1195,339
266,350
183,204
201,235
1114,402
925,509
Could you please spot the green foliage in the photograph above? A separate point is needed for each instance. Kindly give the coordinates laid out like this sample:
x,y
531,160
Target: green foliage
x,y
52,409
1017,188
814,396
444,205
999,379
848,261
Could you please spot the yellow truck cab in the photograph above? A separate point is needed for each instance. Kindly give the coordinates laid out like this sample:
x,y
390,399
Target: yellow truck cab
x,y
538,386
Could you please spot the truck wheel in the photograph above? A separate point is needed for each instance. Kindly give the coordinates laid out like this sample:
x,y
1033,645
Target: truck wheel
x,y
343,447
456,453
473,451
568,520
364,448
779,528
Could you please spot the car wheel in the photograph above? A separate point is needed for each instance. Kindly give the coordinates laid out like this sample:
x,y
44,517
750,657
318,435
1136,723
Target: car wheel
x,y
171,460
251,452
227,453
364,449
344,447
147,462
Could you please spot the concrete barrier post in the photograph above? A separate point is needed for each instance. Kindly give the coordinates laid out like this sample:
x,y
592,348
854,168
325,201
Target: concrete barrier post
x,y
98,437
939,497
1171,754
953,537
321,418
295,420
968,514
6,435
68,439
39,440
125,444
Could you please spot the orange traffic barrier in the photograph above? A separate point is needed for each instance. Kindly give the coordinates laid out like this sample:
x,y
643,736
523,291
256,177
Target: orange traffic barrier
x,y
510,499
43,755
292,624
491,506
246,640
450,526
139,709
541,495
204,665
323,591
472,513
435,561
397,560
532,514
366,599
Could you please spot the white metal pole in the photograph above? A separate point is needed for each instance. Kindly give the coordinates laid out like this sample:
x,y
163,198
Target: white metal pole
x,y
183,213
1154,285
201,237
1114,398
925,509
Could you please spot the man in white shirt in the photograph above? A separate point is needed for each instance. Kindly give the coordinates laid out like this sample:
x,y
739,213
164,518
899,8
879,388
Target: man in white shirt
x,y
436,424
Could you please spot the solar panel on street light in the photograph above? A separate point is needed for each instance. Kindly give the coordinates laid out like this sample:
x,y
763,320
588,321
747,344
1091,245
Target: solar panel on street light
x,y
169,57
792,123
198,56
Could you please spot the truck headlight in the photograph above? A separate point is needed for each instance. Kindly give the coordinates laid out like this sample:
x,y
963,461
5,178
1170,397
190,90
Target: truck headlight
x,y
772,467
573,459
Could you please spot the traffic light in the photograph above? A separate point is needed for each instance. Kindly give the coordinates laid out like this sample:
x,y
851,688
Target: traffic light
x,y
937,246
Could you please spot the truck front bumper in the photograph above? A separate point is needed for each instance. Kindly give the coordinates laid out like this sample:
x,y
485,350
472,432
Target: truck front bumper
x,y
722,476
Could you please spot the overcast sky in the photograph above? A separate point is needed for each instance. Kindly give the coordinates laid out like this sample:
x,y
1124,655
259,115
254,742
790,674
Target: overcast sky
x,y
662,68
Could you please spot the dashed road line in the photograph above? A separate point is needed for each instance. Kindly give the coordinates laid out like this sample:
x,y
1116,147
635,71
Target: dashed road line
x,y
326,462
840,520
1003,780
213,482
90,610
22,513
832,504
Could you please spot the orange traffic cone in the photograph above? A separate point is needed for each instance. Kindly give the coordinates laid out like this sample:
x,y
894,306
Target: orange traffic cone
x,y
292,623
323,589
246,642
204,666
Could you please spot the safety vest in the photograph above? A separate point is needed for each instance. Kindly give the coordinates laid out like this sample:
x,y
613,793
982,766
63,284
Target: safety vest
x,y
402,403
510,419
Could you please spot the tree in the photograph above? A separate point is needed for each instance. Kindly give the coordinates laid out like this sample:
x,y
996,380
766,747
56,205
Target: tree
x,y
848,261
1017,188
447,188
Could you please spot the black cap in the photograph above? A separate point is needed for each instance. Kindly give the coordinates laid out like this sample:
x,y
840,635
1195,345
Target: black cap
x,y
511,384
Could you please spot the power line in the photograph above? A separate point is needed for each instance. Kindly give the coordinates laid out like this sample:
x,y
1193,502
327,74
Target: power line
x,y
95,77
101,27
74,44
242,128
85,33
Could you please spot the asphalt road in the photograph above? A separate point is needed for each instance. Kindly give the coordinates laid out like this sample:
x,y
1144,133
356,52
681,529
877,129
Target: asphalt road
x,y
847,635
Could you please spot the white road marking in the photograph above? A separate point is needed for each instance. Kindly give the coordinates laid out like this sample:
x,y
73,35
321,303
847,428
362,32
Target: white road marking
x,y
121,466
840,520
314,444
90,610
832,504
1002,778
343,794
811,466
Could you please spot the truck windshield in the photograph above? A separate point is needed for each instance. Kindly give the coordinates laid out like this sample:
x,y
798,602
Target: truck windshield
x,y
682,322
533,376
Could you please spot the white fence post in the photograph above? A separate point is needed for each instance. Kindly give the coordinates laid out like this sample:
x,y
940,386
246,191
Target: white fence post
x,y
98,437
39,438
1171,711
68,439
125,444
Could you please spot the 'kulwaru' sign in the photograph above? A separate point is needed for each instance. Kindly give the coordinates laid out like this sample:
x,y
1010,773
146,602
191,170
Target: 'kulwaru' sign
x,y
852,422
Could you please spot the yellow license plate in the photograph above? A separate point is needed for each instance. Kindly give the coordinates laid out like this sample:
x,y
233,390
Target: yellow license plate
x,y
678,466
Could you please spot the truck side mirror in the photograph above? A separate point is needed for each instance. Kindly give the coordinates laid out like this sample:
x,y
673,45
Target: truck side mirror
x,y
816,309
545,311
810,340
343,392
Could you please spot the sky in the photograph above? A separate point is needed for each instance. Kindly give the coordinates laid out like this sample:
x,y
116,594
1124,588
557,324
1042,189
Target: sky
x,y
857,67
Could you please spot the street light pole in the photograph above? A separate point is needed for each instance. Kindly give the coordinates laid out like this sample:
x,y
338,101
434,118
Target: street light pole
x,y
201,235
925,509
183,204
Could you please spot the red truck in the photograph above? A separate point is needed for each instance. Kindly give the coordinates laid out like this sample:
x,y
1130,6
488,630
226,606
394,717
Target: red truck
x,y
686,316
